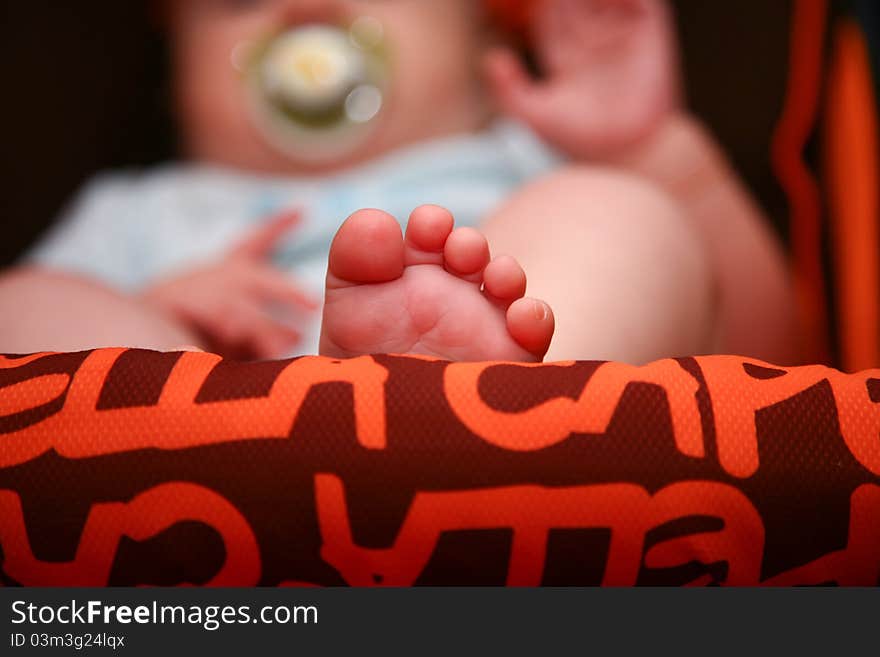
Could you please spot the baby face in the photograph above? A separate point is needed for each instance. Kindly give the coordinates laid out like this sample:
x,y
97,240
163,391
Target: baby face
x,y
433,84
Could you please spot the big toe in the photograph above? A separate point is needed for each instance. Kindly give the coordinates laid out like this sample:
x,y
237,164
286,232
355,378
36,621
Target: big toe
x,y
368,248
530,323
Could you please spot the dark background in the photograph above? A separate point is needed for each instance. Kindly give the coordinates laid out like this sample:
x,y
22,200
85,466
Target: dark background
x,y
85,88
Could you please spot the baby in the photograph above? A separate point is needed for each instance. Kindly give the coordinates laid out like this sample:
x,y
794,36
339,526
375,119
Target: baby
x,y
631,225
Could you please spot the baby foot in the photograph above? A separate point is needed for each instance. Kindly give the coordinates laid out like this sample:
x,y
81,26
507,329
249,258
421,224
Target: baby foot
x,y
434,292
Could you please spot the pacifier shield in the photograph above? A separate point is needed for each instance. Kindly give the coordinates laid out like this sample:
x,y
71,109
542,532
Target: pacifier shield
x,y
316,89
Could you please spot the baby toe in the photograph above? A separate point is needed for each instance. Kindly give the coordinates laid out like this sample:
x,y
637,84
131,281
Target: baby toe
x,y
530,323
504,280
368,248
426,233
466,254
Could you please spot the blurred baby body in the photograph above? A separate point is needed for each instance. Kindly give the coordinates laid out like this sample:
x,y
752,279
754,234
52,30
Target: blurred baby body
x,y
133,230
319,108
296,113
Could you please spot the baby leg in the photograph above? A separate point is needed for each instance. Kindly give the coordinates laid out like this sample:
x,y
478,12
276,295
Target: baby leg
x,y
49,311
617,260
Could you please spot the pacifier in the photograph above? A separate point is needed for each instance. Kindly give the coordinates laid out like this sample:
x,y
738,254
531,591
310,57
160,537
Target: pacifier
x,y
317,89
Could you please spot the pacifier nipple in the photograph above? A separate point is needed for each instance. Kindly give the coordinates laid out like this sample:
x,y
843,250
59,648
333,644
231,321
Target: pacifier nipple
x,y
316,87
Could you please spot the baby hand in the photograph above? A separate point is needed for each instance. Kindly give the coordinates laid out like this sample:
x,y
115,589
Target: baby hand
x,y
235,303
609,75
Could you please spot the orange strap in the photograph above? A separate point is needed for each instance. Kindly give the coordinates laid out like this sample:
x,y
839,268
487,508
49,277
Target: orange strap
x,y
853,173
791,136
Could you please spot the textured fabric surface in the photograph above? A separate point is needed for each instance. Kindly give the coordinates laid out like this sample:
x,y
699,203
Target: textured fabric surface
x,y
125,467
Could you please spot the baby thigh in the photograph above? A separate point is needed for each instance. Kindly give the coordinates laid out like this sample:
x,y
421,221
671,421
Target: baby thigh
x,y
624,271
42,310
